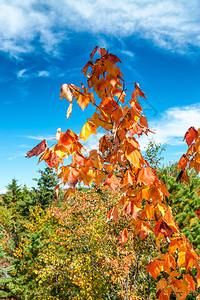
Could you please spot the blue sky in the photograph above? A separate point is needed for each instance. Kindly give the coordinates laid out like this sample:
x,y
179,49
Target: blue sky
x,y
45,45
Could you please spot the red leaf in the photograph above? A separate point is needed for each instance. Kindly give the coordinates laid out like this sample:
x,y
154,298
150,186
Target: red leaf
x,y
162,227
113,58
52,160
37,149
190,135
93,52
89,64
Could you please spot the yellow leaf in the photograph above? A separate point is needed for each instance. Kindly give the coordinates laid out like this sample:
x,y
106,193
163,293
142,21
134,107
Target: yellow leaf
x,y
88,129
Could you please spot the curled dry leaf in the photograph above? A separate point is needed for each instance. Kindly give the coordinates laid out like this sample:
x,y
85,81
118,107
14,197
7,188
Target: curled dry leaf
x,y
37,149
69,111
66,92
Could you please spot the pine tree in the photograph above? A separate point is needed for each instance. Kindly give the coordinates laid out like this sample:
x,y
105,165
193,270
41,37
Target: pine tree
x,y
45,187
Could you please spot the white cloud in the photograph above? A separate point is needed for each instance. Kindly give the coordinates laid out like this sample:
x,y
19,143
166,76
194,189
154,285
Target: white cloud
x,y
21,74
3,191
25,74
43,73
171,127
170,24
38,137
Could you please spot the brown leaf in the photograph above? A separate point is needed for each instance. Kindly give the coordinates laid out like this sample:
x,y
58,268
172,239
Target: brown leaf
x,y
93,52
183,176
52,160
139,91
104,144
37,149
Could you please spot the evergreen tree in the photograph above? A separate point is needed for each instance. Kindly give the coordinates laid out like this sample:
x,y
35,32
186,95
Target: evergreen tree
x,y
45,187
13,194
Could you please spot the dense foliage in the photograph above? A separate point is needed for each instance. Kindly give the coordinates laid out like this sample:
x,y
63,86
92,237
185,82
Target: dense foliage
x,y
70,250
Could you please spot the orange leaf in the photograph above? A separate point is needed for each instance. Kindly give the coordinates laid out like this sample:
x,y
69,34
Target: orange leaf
x,y
123,237
104,144
190,282
147,176
83,101
112,182
198,279
190,135
113,214
154,268
182,164
37,149
132,209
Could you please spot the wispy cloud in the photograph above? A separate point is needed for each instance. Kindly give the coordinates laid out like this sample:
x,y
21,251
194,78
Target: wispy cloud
x,y
172,125
25,74
38,137
169,24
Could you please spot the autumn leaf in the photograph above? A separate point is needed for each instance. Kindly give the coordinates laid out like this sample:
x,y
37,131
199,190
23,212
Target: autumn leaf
x,y
105,143
113,214
182,164
147,176
69,111
93,52
88,129
123,238
113,58
52,160
162,227
37,149
139,91
85,68
198,213
66,92
83,101
112,182
183,176
132,209
190,135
